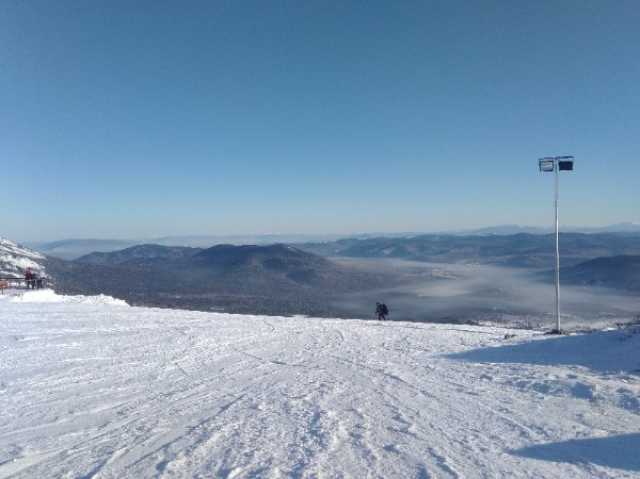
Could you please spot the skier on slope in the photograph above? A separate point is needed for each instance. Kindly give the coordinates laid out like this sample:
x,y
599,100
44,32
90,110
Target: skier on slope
x,y
382,311
385,311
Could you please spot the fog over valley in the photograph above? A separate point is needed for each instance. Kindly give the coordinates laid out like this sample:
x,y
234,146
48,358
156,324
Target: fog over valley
x,y
441,292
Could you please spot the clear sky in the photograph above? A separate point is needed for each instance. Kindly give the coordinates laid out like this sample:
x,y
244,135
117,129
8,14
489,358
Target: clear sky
x,y
148,118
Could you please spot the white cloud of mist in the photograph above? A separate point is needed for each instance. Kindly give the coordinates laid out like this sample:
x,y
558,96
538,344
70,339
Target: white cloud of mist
x,y
457,292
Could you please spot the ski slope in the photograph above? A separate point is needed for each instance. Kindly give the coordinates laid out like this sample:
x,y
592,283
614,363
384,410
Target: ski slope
x,y
92,388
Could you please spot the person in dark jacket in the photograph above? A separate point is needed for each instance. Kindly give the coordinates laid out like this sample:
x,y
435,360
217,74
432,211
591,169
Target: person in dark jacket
x,y
382,311
29,278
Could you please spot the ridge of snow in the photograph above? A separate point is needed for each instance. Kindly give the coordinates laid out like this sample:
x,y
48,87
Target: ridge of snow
x,y
15,259
49,296
11,247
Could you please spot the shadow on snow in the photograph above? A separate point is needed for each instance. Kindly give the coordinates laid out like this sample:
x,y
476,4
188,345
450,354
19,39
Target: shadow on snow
x,y
620,452
603,351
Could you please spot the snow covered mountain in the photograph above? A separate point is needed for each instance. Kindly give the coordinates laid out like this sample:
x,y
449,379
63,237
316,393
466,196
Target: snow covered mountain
x,y
15,259
90,387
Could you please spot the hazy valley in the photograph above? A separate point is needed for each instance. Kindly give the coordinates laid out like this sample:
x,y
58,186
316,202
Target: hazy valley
x,y
434,278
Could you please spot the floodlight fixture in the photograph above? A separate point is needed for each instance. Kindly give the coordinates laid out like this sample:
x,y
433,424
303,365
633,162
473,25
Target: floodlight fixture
x,y
565,165
546,164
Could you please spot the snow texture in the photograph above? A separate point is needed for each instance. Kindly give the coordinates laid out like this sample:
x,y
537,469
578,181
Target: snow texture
x,y
91,389
14,260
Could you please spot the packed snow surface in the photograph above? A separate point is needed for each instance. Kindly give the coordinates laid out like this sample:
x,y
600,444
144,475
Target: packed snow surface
x,y
92,389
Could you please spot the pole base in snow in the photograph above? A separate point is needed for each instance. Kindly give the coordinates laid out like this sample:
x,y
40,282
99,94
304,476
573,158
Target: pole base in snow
x,y
555,331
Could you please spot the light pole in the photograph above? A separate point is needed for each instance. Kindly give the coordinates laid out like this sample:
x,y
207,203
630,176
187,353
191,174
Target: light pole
x,y
557,164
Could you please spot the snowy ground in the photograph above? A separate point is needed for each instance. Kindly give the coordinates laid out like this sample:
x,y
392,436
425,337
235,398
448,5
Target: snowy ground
x,y
91,388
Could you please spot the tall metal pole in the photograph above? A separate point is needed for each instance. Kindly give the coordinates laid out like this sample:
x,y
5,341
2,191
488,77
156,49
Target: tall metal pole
x,y
557,249
555,164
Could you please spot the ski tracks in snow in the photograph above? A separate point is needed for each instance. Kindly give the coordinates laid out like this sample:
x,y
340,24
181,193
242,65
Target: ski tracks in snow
x,y
158,393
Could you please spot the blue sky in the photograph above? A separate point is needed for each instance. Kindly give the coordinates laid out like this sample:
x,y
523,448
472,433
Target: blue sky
x,y
149,118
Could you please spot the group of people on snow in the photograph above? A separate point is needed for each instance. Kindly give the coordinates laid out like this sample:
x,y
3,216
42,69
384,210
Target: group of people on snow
x,y
32,280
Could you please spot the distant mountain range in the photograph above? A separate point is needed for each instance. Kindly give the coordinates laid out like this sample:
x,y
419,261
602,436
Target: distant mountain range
x,y
274,279
144,254
618,272
305,279
283,279
519,250
516,229
74,248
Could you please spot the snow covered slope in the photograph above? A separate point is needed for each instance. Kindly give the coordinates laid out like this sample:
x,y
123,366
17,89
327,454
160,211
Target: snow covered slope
x,y
14,260
94,389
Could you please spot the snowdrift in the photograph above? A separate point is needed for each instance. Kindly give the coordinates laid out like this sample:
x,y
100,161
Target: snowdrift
x,y
49,296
